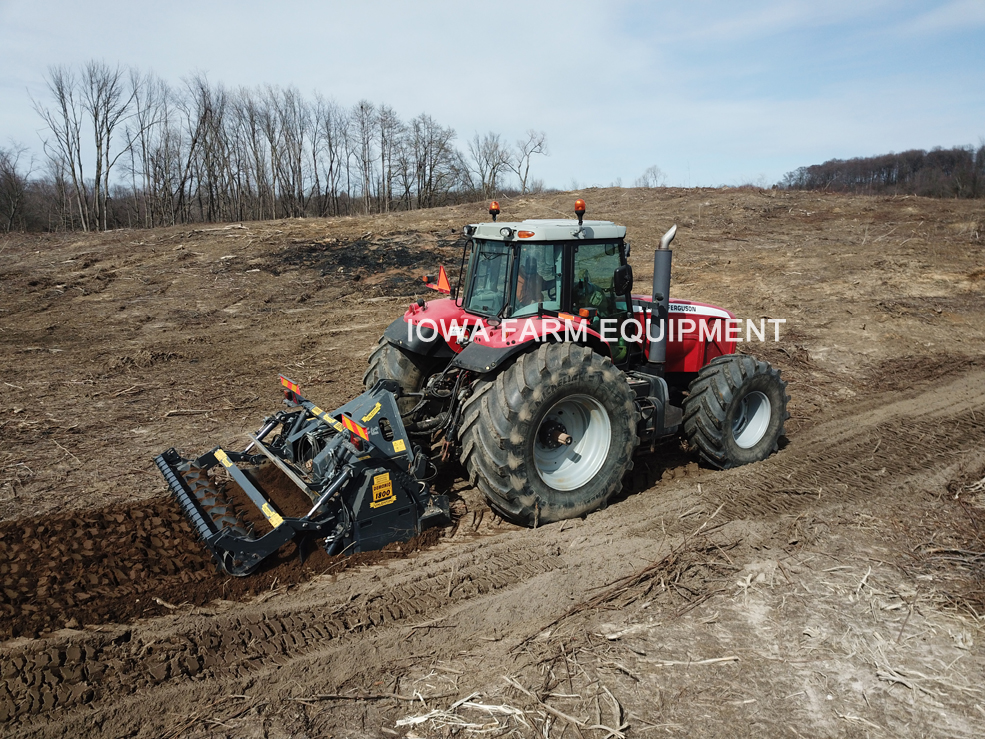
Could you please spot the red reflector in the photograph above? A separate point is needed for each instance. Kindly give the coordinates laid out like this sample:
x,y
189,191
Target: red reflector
x,y
524,234
289,384
355,428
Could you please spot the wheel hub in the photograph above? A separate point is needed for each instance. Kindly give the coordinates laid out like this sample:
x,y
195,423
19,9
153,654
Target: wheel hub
x,y
554,434
572,442
752,419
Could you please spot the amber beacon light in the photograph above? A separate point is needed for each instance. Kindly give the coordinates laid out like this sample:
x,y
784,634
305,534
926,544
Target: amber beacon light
x,y
580,209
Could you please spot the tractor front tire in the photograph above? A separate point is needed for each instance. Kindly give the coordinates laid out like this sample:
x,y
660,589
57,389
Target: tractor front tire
x,y
735,410
387,362
550,437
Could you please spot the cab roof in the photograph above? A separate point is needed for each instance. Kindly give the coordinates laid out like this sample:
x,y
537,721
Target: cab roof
x,y
555,229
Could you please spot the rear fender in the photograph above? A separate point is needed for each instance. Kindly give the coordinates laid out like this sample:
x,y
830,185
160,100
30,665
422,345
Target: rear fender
x,y
431,329
417,340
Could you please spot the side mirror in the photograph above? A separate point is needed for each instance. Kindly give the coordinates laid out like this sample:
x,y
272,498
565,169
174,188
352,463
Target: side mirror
x,y
622,279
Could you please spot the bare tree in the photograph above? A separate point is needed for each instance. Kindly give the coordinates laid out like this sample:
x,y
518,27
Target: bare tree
x,y
201,152
171,152
100,99
247,111
294,124
519,161
106,100
143,134
434,159
391,131
13,187
65,124
333,123
489,157
364,133
652,176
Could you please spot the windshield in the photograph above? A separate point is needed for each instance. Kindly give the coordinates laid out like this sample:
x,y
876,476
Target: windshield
x,y
535,284
538,278
488,277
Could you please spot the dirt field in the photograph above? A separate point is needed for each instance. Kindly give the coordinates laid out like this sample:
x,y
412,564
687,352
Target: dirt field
x,y
836,589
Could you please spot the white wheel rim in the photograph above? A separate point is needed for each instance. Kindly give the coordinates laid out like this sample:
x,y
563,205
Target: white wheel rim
x,y
751,420
568,467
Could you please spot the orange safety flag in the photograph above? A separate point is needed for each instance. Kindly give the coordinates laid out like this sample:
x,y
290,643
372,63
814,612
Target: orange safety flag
x,y
443,284
355,427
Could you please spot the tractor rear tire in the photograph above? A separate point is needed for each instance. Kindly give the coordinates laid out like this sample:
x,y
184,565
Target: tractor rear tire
x,y
735,410
515,426
387,362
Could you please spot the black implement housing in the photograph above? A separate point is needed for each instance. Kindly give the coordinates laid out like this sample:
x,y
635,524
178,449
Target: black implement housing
x,y
366,482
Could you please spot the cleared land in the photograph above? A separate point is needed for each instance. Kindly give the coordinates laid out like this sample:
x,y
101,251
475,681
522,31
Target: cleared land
x,y
835,589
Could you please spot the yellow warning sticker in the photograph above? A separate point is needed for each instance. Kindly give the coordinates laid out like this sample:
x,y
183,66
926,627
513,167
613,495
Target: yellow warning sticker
x,y
221,456
369,416
319,413
399,446
272,515
382,491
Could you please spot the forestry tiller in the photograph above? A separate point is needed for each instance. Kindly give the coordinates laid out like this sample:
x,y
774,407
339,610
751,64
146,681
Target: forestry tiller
x,y
541,372
365,480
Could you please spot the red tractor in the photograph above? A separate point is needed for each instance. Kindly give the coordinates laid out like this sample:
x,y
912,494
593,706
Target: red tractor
x,y
544,373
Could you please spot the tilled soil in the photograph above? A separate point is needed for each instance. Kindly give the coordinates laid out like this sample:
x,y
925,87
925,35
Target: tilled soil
x,y
834,589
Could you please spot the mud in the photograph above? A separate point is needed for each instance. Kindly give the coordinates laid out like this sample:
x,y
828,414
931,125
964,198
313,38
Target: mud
x,y
833,590
119,564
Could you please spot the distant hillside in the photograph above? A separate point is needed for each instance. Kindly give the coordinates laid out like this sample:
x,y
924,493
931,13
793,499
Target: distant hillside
x,y
939,173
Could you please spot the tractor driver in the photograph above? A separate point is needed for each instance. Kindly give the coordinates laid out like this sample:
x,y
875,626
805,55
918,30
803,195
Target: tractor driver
x,y
589,295
529,284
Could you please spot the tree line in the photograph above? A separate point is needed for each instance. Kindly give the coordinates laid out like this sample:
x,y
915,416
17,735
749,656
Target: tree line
x,y
940,173
124,148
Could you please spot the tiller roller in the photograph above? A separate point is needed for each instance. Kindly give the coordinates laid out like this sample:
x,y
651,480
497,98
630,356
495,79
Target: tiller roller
x,y
367,483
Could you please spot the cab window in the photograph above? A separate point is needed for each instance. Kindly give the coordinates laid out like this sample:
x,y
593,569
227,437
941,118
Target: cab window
x,y
488,277
594,267
538,278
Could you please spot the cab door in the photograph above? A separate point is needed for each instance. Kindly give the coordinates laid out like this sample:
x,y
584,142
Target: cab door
x,y
592,287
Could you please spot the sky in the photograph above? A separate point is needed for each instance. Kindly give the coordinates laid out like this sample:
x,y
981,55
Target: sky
x,y
713,93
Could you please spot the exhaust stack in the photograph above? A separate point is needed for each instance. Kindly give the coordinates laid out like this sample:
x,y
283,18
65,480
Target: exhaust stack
x,y
662,257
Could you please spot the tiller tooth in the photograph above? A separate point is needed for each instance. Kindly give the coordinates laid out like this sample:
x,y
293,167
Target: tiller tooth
x,y
168,463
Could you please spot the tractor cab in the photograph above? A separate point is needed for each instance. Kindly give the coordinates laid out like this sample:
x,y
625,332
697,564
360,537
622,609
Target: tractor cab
x,y
547,268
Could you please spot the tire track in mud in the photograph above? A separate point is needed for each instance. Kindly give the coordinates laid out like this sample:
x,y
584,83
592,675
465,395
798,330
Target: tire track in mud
x,y
62,673
858,459
853,460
